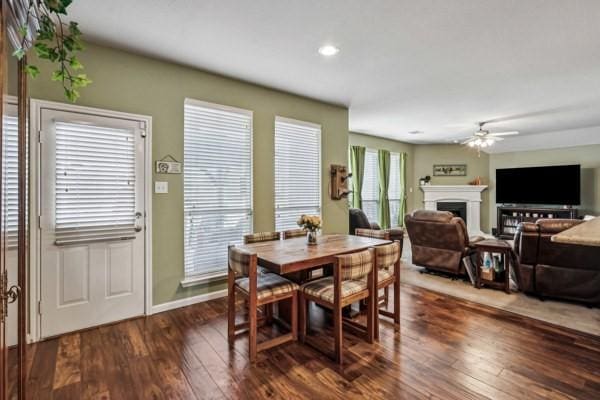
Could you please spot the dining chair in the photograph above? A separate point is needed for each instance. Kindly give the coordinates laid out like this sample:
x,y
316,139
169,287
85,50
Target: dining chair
x,y
259,237
259,290
293,233
387,261
382,234
345,287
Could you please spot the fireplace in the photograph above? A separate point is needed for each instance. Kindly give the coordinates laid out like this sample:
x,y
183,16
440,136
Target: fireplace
x,y
459,209
438,195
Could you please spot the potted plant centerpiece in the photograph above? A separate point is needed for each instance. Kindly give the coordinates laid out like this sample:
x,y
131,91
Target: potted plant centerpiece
x,y
310,223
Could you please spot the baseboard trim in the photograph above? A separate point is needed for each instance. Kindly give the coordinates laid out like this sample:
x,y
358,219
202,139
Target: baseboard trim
x,y
188,301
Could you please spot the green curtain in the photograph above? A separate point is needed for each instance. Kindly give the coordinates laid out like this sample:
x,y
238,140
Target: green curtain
x,y
383,211
357,167
402,211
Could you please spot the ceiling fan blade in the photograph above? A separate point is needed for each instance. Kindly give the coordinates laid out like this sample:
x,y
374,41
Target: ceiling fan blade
x,y
509,133
468,140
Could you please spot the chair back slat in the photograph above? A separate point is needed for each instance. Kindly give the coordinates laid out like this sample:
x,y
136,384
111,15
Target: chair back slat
x,y
261,237
293,233
387,255
373,233
354,266
241,261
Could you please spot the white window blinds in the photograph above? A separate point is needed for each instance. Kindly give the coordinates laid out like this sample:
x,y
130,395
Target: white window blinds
x,y
394,188
10,180
217,184
297,171
370,189
95,183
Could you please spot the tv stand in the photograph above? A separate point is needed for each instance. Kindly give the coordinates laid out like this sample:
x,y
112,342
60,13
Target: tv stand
x,y
510,216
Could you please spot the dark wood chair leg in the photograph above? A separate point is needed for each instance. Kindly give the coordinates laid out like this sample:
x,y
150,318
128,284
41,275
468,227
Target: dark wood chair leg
x,y
337,332
302,315
386,295
231,310
269,313
252,329
397,304
373,317
295,315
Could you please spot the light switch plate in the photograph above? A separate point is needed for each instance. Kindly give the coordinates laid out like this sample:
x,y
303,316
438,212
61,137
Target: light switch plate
x,y
161,187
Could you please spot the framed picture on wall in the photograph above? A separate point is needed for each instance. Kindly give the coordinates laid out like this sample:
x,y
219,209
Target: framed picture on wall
x,y
450,170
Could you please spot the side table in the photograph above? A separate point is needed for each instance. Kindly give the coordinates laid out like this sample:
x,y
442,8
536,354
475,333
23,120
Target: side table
x,y
498,247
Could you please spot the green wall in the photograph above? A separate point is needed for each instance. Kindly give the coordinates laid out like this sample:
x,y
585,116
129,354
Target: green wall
x,y
137,84
587,156
373,142
425,156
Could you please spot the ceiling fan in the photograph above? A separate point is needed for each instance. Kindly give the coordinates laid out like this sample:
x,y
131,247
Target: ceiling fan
x,y
484,138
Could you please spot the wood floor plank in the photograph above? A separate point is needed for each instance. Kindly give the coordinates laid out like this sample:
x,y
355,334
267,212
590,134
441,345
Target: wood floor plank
x,y
446,349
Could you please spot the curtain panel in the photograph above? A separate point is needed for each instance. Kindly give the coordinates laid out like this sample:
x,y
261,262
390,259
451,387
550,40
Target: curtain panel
x,y
357,167
384,182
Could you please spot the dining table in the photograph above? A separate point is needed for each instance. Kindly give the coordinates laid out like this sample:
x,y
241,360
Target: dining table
x,y
291,257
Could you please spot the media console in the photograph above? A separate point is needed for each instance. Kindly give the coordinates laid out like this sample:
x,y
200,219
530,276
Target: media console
x,y
509,217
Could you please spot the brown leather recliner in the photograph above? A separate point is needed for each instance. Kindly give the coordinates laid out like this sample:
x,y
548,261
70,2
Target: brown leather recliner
x,y
556,270
438,240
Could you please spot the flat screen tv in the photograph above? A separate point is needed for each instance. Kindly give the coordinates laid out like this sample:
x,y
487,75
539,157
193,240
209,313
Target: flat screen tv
x,y
539,185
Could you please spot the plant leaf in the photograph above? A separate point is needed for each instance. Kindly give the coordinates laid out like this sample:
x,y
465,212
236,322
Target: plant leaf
x,y
19,53
58,75
32,70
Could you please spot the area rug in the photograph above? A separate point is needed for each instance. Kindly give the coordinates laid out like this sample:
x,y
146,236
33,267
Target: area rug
x,y
569,315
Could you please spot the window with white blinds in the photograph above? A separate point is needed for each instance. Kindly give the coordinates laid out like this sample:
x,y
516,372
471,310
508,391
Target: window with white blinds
x,y
394,188
10,205
95,183
217,185
297,171
370,189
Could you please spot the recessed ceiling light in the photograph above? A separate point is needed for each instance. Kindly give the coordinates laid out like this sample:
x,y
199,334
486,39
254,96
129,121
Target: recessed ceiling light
x,y
328,50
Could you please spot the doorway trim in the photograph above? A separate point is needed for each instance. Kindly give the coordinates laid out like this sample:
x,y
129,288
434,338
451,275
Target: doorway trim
x,y
36,107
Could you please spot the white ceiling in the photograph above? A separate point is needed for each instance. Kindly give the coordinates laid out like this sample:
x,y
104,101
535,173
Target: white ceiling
x,y
436,66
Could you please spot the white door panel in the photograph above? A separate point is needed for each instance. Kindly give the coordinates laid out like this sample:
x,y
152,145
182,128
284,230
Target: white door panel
x,y
92,244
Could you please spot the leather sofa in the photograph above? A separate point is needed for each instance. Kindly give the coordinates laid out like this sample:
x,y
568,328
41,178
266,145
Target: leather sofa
x,y
556,270
439,240
358,219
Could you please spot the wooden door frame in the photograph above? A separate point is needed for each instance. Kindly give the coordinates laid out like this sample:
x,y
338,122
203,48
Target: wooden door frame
x,y
36,107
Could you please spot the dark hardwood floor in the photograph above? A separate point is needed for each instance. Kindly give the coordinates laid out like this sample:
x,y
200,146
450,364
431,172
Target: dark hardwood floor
x,y
446,349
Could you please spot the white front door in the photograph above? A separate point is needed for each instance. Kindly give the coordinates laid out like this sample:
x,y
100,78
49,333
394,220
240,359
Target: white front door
x,y
92,220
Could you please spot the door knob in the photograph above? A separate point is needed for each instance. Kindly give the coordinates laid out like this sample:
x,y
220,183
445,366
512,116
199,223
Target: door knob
x,y
138,225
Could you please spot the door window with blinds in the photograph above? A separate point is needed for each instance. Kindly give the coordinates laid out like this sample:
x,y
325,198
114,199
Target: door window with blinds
x,y
370,189
217,185
9,180
394,188
95,183
297,171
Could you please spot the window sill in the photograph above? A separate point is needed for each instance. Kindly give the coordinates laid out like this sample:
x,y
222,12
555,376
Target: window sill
x,y
204,279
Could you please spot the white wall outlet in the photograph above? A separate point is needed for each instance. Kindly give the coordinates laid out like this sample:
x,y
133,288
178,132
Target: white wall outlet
x,y
161,187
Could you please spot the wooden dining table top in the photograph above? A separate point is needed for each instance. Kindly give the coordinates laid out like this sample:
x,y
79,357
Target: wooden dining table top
x,y
292,255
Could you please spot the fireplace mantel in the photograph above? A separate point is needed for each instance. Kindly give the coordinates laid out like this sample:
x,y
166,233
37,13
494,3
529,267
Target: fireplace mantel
x,y
470,194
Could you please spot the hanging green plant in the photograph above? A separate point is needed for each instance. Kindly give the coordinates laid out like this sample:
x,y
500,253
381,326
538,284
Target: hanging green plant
x,y
52,39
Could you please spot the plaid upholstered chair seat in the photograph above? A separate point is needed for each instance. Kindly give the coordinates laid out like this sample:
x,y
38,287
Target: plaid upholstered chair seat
x,y
323,288
267,285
